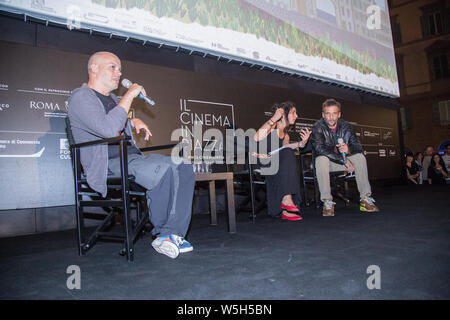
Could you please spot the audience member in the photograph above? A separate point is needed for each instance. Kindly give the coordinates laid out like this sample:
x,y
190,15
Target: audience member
x,y
418,160
437,172
446,157
412,170
428,154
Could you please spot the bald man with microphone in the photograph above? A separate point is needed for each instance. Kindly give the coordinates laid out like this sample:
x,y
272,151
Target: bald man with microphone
x,y
95,112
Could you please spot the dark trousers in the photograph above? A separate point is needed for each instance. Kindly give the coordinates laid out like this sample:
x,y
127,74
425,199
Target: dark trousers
x,y
170,189
285,181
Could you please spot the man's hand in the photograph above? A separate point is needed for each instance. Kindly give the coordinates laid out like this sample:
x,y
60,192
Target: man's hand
x,y
138,124
343,148
132,92
349,166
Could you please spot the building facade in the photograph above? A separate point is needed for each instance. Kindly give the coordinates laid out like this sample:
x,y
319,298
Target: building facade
x,y
421,33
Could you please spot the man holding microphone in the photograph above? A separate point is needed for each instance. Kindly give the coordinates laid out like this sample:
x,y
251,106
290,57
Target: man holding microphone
x,y
95,113
336,148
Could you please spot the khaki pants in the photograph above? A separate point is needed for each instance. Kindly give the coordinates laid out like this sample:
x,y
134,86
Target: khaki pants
x,y
324,166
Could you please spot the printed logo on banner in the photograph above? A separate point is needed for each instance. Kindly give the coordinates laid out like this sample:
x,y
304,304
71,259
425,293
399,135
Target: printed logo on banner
x,y
51,109
382,153
387,135
64,149
371,134
4,106
57,107
73,17
392,152
41,5
213,118
366,153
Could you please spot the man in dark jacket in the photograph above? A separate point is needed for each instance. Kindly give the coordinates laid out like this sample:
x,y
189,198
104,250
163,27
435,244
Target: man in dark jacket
x,y
336,148
95,112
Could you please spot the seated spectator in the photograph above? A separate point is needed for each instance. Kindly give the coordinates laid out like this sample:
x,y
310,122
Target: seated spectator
x,y
412,169
437,172
418,160
446,157
427,155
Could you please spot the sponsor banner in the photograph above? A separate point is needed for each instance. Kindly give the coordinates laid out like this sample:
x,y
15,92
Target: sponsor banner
x,y
35,85
213,119
35,169
369,135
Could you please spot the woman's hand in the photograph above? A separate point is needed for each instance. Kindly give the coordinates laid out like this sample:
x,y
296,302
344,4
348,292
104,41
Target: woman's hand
x,y
277,115
304,134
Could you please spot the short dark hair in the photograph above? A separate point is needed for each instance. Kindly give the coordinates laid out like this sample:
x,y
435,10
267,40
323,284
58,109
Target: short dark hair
x,y
331,102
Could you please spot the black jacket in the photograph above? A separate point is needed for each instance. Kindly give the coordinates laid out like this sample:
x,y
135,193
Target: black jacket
x,y
324,140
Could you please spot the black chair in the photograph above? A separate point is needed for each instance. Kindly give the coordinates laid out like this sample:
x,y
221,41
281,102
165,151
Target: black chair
x,y
257,183
248,180
339,181
308,175
124,194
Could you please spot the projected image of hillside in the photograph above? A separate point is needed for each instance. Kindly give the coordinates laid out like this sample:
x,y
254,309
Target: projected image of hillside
x,y
328,39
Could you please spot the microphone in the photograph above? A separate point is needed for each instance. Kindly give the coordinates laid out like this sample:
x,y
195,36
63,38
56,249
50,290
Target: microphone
x,y
341,141
127,83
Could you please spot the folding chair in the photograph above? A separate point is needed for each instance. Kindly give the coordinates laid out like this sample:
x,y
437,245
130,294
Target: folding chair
x,y
123,193
339,181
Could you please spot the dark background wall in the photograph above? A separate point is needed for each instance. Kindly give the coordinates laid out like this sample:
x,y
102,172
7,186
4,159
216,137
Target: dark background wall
x,y
42,64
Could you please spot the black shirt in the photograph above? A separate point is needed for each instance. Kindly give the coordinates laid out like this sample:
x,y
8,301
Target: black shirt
x,y
414,168
114,150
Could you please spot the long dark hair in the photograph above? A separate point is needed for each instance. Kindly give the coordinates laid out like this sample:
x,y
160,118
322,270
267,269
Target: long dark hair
x,y
286,106
441,162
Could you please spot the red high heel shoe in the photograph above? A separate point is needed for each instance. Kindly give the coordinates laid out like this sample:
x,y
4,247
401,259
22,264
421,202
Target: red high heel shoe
x,y
290,208
291,218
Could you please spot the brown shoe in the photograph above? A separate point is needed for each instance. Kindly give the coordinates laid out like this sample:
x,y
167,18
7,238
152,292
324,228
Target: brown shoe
x,y
367,204
328,208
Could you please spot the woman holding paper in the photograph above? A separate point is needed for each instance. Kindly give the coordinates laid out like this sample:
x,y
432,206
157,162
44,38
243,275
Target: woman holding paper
x,y
283,187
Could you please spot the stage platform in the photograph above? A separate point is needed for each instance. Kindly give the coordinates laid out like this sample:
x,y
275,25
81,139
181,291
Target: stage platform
x,y
317,258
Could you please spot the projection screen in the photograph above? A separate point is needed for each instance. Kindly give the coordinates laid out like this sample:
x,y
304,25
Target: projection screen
x,y
348,42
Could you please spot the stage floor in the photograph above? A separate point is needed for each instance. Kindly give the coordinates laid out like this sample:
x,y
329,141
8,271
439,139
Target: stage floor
x,y
317,258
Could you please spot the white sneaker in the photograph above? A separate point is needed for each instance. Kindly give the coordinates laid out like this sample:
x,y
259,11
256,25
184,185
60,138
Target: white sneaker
x,y
183,245
166,245
328,208
367,204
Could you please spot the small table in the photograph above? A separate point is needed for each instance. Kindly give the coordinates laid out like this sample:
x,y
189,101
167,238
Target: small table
x,y
212,177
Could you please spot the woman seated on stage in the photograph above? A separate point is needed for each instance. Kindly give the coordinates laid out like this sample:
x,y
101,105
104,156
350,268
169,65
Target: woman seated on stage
x,y
437,172
283,187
